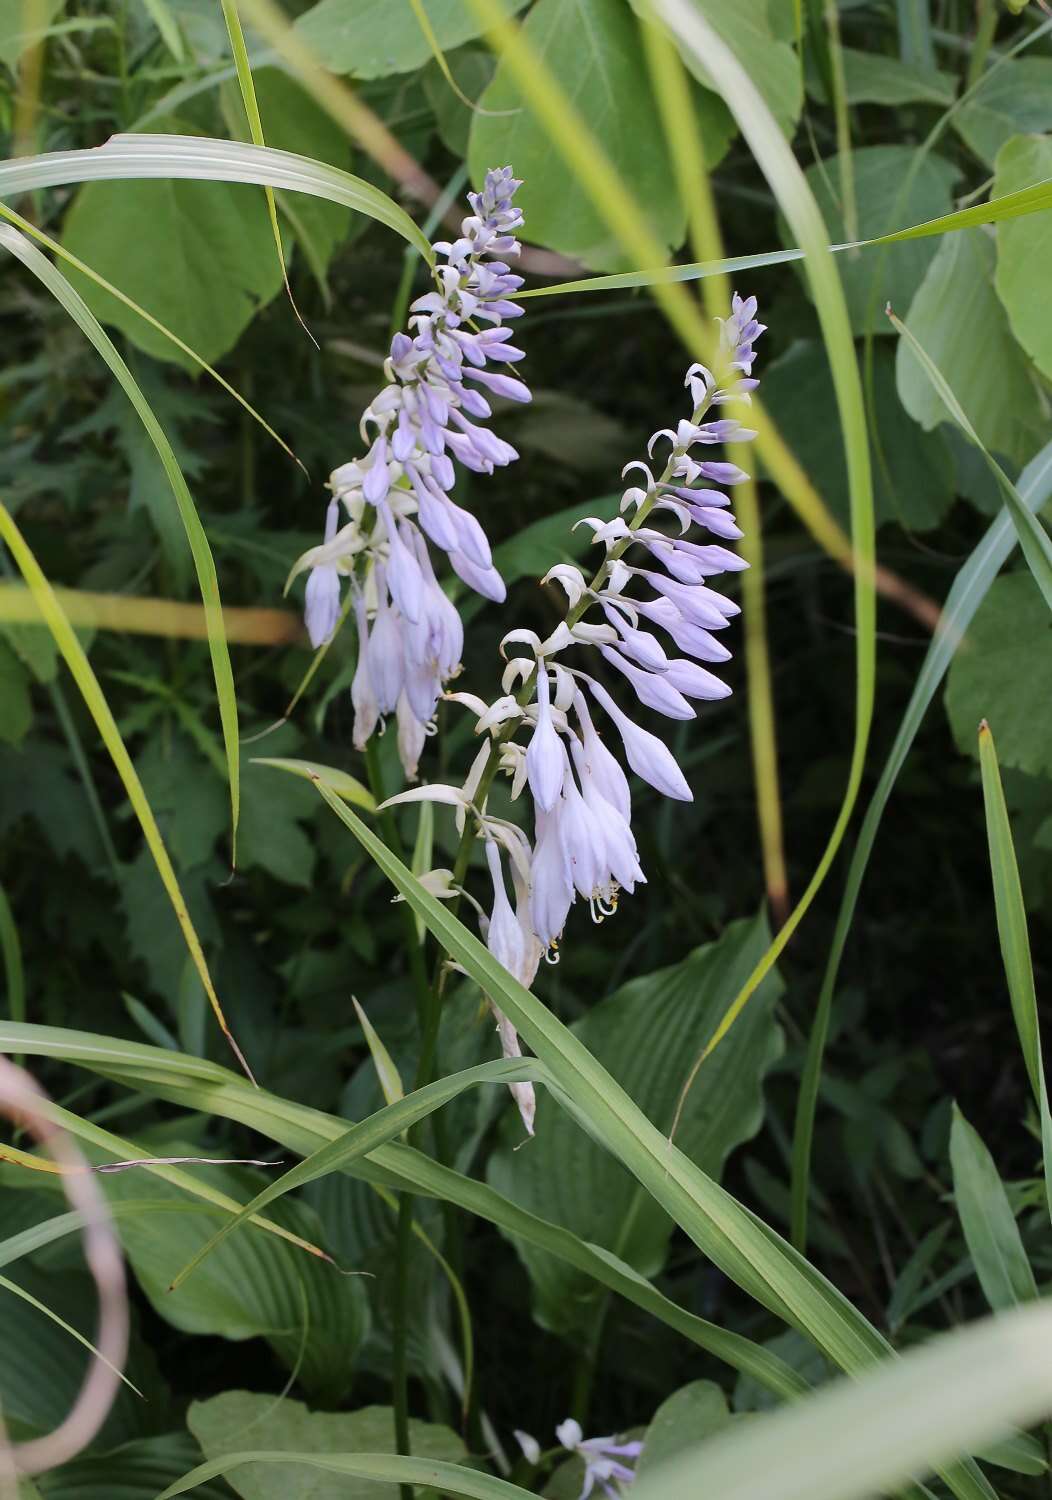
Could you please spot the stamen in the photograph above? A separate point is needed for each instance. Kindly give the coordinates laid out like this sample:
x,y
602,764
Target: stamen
x,y
551,953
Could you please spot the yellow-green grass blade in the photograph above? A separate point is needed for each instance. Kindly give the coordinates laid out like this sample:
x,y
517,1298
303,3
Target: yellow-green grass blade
x,y
626,219
208,583
671,87
361,1139
745,1249
966,594
122,1149
194,1083
387,1073
882,1433
204,159
1033,538
148,615
433,1474
42,1307
779,166
1014,939
95,701
243,69
60,250
1030,200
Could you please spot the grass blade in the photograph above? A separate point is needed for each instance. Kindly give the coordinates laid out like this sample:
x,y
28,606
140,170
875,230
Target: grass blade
x,y
19,1291
857,1439
990,1230
966,594
95,700
196,1084
1014,939
1030,200
746,1250
255,124
205,159
14,975
377,1130
208,583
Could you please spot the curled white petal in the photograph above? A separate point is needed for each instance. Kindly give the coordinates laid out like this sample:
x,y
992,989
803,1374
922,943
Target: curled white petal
x,y
559,639
571,580
500,711
526,637
433,791
476,704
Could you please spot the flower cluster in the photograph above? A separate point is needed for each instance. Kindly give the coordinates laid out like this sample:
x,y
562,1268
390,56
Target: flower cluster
x,y
603,1457
644,613
398,492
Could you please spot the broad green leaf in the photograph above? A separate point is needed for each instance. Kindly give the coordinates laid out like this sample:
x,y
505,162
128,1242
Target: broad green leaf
x,y
873,277
252,1286
1016,99
16,33
881,1433
687,1417
592,49
1015,940
1012,627
204,261
374,38
990,1229
273,835
16,707
746,28
879,78
1034,541
534,549
135,1471
187,796
645,1035
913,471
229,1422
367,1469
1024,249
200,158
988,371
966,594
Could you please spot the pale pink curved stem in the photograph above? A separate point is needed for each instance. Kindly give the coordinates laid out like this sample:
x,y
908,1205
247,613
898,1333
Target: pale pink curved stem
x,y
25,1104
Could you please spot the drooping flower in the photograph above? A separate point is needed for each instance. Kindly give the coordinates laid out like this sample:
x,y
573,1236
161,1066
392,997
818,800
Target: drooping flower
x,y
603,1458
583,844
428,414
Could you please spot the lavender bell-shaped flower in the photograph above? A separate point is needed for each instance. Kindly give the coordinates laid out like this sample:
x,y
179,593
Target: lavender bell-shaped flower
x,y
322,606
427,415
583,843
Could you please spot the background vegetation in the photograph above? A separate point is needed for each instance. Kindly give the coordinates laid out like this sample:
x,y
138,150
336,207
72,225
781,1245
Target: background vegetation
x,y
898,114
